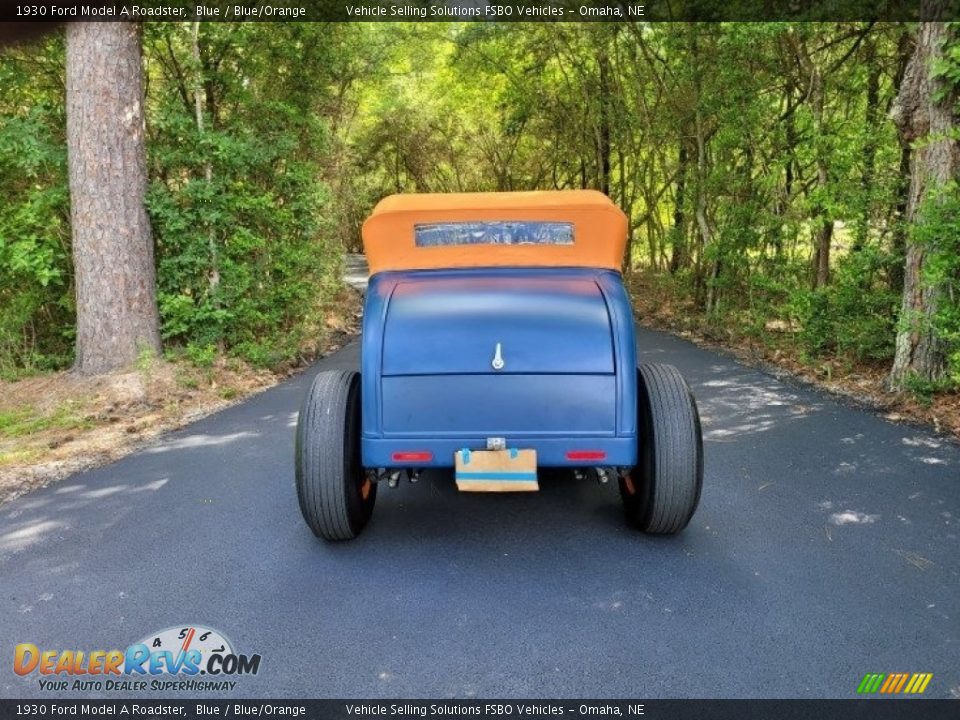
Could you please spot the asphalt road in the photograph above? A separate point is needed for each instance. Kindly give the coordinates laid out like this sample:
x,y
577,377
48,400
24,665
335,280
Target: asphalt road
x,y
825,547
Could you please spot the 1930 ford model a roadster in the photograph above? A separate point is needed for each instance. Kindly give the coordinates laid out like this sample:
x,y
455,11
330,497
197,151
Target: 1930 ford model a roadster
x,y
497,337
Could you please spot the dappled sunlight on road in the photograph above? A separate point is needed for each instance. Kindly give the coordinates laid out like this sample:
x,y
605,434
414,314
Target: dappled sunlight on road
x,y
25,534
200,440
853,517
921,441
40,517
841,516
929,450
737,405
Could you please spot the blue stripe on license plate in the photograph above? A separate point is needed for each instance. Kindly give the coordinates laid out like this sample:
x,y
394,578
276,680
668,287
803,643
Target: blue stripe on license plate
x,y
496,475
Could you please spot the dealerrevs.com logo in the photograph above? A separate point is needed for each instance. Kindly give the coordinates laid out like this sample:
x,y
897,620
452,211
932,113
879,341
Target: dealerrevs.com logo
x,y
172,659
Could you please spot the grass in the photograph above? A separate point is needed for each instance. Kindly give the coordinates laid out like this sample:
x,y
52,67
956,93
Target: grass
x,y
26,421
20,455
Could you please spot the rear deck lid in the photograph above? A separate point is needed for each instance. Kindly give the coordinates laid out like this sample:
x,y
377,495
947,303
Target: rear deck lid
x,y
462,325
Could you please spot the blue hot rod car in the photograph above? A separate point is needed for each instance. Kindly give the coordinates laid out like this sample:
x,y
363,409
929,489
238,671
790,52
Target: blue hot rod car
x,y
497,338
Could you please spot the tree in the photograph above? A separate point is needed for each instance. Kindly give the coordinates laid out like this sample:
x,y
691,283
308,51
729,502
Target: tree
x,y
241,216
823,223
117,315
923,113
756,163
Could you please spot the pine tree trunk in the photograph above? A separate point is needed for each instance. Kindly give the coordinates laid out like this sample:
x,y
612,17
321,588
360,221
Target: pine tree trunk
x,y
923,114
117,315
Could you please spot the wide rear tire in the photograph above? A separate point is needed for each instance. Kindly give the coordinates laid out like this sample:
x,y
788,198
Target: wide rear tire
x,y
336,498
662,491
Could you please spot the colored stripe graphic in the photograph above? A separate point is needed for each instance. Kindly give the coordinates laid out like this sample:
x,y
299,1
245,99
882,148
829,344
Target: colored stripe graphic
x,y
901,683
894,683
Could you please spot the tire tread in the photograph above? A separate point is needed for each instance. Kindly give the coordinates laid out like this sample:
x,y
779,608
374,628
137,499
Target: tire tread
x,y
325,474
677,452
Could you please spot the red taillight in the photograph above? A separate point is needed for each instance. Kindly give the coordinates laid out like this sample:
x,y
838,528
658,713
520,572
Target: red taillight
x,y
586,455
412,456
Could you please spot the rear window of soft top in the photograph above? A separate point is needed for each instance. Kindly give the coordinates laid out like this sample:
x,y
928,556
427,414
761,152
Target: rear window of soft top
x,y
493,233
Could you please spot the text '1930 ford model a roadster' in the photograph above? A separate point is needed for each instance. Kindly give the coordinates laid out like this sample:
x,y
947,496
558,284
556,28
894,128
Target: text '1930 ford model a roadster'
x,y
497,338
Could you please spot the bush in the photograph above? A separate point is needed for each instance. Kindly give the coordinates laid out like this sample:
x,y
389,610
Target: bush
x,y
855,316
36,302
243,257
202,355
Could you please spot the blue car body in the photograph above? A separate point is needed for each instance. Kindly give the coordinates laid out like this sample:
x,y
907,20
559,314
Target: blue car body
x,y
497,338
565,384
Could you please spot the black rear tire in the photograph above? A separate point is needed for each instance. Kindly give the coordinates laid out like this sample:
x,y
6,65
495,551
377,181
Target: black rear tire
x,y
662,491
336,498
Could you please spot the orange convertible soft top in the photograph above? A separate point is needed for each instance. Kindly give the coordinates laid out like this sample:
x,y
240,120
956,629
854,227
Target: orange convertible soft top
x,y
578,228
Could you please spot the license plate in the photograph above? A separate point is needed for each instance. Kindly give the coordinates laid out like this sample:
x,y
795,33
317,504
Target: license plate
x,y
509,470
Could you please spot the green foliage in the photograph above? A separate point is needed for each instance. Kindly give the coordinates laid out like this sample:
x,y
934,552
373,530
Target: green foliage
x,y
731,147
36,304
201,355
855,316
948,69
924,390
243,220
239,212
255,226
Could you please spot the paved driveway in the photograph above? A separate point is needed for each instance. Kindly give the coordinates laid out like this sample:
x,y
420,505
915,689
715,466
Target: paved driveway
x,y
826,546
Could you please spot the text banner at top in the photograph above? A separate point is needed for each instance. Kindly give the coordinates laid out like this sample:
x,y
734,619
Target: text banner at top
x,y
481,10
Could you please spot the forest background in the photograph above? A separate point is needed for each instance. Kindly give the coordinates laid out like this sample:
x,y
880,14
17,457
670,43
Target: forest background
x,y
791,188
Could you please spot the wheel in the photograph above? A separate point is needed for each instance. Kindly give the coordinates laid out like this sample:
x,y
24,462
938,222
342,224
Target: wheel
x,y
336,498
662,491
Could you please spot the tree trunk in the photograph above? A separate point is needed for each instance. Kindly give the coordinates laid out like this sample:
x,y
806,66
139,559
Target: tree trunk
x,y
117,315
821,255
705,290
923,113
905,45
603,141
822,221
703,223
198,102
678,257
789,161
900,227
869,151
